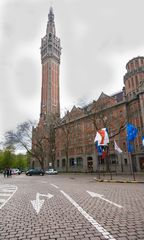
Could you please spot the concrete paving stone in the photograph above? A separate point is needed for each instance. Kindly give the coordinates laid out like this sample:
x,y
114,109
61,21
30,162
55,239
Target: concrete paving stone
x,y
53,239
95,238
85,238
61,238
123,238
79,237
67,231
70,238
82,233
35,238
55,236
73,234
140,232
131,233
65,235
45,238
123,229
141,237
89,235
132,238
69,228
32,236
14,238
122,234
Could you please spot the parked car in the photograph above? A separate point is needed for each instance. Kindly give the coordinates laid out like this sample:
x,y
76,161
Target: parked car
x,y
51,171
15,171
35,171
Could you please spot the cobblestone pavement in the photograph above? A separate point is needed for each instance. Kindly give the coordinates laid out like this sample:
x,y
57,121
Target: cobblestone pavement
x,y
71,207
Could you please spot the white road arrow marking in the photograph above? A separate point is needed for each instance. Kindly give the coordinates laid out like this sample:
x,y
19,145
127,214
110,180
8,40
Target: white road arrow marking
x,y
37,204
92,194
54,185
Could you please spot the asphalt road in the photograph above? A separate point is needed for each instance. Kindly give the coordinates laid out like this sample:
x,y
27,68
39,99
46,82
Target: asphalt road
x,y
70,207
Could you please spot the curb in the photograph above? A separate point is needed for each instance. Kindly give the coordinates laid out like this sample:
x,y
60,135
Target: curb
x,y
118,181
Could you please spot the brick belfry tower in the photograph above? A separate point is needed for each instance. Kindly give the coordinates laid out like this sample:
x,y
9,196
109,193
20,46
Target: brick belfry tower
x,y
50,59
43,140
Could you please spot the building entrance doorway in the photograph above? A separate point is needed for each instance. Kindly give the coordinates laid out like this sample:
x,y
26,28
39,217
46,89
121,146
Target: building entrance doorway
x,y
141,161
90,164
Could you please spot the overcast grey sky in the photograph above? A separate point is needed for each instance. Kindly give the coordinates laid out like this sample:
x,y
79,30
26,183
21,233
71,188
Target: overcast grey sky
x,y
98,38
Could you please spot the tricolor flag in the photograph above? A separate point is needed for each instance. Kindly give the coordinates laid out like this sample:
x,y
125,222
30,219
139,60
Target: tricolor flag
x,y
102,138
117,148
143,140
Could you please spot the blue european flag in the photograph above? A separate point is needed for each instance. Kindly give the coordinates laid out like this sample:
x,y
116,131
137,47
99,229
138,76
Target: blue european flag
x,y
130,147
132,132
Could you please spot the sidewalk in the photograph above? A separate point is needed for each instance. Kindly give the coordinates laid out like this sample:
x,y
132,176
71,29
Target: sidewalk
x,y
119,177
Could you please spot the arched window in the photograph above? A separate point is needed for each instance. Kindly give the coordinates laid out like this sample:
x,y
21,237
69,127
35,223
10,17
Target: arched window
x,y
63,162
136,80
132,82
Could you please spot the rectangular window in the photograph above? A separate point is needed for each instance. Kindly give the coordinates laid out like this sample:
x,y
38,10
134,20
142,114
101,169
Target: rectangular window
x,y
79,161
57,163
72,162
63,163
125,161
132,82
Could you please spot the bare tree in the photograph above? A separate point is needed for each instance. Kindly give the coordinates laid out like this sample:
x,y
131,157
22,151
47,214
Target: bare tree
x,y
67,126
104,119
22,139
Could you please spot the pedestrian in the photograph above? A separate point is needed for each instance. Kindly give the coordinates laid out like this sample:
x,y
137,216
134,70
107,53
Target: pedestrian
x,y
5,172
10,172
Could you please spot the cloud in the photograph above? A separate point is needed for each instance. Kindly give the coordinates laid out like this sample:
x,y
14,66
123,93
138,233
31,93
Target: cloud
x,y
98,38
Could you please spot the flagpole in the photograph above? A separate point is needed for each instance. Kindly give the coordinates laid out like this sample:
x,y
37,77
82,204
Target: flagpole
x,y
99,160
108,159
131,165
132,133
121,162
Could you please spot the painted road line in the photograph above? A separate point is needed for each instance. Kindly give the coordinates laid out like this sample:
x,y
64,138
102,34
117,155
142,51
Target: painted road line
x,y
5,194
7,188
54,185
43,181
92,194
103,231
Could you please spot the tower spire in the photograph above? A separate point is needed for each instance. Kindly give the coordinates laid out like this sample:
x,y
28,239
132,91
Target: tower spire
x,y
50,59
51,15
51,23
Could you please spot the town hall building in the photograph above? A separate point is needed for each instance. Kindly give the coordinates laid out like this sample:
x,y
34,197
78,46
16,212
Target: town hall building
x,y
69,142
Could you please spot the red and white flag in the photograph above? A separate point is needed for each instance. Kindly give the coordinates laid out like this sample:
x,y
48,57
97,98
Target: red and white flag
x,y
102,137
117,148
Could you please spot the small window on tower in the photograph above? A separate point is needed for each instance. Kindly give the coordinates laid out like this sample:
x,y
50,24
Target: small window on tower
x,y
50,35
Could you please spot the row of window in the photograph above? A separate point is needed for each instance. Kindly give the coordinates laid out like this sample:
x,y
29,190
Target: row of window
x,y
135,64
133,82
78,162
73,162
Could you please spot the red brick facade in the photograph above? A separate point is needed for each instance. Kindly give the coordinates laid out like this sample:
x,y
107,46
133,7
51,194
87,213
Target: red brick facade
x,y
73,147
112,112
